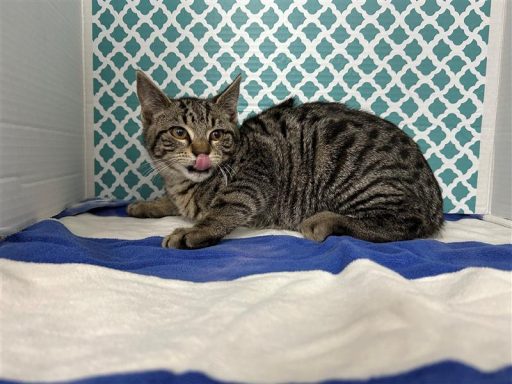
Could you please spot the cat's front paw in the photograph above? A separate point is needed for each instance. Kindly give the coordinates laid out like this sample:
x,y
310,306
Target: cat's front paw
x,y
190,238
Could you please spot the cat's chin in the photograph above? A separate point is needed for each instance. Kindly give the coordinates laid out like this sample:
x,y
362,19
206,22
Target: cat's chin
x,y
194,175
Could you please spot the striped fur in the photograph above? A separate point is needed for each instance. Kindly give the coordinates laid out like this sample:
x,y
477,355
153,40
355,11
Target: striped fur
x,y
321,168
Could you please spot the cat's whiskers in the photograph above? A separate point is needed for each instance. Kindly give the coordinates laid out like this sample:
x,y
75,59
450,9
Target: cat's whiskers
x,y
232,171
155,169
226,170
149,171
150,168
146,168
225,177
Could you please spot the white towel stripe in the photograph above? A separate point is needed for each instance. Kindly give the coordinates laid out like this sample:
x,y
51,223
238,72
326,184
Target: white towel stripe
x,y
129,228
60,322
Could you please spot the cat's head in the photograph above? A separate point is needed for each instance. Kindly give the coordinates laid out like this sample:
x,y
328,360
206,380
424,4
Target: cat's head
x,y
189,135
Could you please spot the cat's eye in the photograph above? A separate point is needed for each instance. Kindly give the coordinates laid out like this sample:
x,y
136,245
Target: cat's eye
x,y
217,134
179,133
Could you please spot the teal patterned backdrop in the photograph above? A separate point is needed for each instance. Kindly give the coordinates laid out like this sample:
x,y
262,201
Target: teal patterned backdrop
x,y
418,63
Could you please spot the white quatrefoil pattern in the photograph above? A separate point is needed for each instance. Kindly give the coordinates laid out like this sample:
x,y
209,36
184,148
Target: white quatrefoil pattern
x,y
418,63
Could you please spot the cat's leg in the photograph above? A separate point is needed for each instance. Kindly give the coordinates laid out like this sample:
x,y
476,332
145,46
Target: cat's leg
x,y
235,207
321,225
209,231
160,207
380,228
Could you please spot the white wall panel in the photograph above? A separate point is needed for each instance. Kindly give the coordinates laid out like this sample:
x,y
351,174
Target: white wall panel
x,y
501,199
41,109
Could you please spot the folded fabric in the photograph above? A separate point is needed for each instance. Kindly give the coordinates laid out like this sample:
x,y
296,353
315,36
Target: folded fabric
x,y
94,299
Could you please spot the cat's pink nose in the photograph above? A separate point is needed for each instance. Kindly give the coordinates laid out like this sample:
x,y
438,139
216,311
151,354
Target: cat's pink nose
x,y
203,162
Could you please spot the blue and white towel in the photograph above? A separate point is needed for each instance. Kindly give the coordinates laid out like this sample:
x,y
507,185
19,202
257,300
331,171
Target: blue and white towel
x,y
93,298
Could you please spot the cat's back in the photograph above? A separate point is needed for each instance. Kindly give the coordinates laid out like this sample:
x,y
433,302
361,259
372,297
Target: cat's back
x,y
334,133
326,154
325,120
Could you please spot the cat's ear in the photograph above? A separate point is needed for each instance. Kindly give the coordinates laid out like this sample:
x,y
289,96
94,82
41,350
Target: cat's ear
x,y
228,99
151,98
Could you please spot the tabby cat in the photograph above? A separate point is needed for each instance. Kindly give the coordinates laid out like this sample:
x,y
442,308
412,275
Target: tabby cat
x,y
320,168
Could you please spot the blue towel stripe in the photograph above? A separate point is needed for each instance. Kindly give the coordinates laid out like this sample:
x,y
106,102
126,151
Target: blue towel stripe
x,y
50,241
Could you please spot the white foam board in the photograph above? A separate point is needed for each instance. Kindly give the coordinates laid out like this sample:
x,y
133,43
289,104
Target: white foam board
x,y
41,109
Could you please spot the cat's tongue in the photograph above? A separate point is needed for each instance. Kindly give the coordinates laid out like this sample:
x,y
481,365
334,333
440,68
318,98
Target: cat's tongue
x,y
203,162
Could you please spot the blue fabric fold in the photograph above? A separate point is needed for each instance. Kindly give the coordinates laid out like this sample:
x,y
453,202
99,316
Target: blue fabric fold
x,y
97,206
50,241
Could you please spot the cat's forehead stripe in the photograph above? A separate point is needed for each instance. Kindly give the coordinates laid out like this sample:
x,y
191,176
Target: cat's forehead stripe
x,y
189,118
182,106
